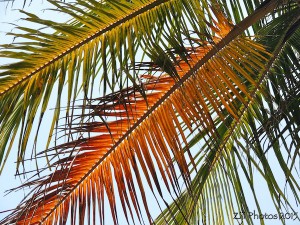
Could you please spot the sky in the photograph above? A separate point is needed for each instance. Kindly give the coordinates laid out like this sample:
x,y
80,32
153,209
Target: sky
x,y
7,178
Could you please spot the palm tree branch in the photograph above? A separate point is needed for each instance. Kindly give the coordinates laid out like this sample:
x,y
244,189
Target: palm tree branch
x,y
82,42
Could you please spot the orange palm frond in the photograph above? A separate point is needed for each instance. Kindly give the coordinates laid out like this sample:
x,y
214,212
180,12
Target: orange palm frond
x,y
130,133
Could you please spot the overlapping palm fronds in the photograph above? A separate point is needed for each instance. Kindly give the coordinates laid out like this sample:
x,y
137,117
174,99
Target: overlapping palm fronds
x,y
102,39
202,86
265,129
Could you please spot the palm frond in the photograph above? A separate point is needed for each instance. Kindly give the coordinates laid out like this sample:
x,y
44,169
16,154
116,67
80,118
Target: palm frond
x,y
207,84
